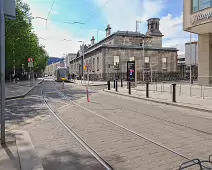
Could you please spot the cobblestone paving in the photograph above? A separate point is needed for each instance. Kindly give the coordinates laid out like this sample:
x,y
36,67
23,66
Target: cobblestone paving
x,y
181,139
121,149
56,148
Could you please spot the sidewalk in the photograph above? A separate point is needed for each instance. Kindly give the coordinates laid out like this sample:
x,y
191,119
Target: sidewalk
x,y
186,96
18,153
19,89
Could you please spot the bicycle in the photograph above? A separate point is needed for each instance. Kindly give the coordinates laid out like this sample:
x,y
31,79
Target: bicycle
x,y
203,165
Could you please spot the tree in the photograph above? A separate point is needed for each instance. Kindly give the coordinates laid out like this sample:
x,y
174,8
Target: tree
x,y
22,42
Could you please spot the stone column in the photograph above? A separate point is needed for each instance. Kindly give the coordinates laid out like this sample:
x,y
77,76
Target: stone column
x,y
205,59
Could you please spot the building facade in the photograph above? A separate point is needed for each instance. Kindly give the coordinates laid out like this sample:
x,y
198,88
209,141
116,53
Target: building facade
x,y
197,19
108,58
50,68
68,58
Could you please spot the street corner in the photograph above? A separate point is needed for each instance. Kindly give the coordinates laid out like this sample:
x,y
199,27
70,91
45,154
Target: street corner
x,y
26,151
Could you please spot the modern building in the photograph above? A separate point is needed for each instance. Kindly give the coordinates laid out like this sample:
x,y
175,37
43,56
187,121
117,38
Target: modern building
x,y
108,58
197,18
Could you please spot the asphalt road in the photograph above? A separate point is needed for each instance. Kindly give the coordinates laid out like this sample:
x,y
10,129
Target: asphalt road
x,y
127,133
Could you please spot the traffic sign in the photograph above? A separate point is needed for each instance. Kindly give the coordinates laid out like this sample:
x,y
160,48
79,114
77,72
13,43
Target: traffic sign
x,y
85,67
30,60
30,64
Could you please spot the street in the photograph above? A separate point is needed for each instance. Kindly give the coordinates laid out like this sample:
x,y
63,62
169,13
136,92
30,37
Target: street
x,y
110,132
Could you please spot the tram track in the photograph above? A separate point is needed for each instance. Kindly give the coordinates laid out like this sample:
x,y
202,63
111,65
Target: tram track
x,y
87,147
74,134
161,119
124,128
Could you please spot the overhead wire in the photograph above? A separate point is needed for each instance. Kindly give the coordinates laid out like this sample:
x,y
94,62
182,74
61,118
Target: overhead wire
x,y
50,11
65,22
93,15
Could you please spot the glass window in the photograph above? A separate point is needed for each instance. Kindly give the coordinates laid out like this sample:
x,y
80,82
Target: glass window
x,y
132,58
146,63
195,5
93,64
200,4
146,59
164,63
204,4
116,61
97,63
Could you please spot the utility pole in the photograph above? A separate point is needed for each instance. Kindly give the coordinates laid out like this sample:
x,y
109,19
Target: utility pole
x,y
2,69
190,59
83,60
143,60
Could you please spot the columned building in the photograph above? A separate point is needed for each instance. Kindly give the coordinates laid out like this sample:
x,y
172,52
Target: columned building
x,y
108,58
197,18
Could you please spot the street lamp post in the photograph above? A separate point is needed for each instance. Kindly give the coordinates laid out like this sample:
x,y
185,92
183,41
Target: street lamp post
x,y
2,69
143,61
83,56
190,59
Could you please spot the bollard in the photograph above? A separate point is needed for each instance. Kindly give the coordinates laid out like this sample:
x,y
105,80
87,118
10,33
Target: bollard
x,y
129,87
116,85
121,83
174,93
108,83
147,90
201,92
170,89
179,89
163,87
63,85
88,99
190,90
156,87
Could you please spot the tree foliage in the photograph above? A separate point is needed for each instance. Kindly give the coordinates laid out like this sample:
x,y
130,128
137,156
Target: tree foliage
x,y
22,43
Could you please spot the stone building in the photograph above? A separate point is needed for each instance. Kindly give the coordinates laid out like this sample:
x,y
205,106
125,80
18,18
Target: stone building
x,y
108,58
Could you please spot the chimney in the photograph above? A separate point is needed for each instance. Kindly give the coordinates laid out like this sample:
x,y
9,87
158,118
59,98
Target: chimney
x,y
108,30
92,40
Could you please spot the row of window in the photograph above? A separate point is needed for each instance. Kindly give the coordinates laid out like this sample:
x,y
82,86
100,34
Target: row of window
x,y
200,4
146,62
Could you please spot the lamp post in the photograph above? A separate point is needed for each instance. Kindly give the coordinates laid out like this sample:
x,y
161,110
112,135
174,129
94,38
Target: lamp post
x,y
190,59
143,59
83,56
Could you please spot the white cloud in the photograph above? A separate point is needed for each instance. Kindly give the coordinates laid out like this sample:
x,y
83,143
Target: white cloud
x,y
54,34
172,29
122,14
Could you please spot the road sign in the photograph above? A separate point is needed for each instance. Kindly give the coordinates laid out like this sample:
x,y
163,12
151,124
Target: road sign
x,y
30,60
30,64
9,9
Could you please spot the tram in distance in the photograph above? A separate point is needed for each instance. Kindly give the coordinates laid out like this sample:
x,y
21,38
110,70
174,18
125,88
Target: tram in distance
x,y
60,74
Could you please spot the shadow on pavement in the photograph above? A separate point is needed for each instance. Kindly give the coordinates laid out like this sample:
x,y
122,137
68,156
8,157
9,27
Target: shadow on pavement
x,y
20,110
70,160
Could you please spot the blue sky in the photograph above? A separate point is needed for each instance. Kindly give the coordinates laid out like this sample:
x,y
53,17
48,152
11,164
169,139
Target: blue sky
x,y
120,14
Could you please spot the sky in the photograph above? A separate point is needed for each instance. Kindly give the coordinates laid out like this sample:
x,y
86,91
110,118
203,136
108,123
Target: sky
x,y
60,36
